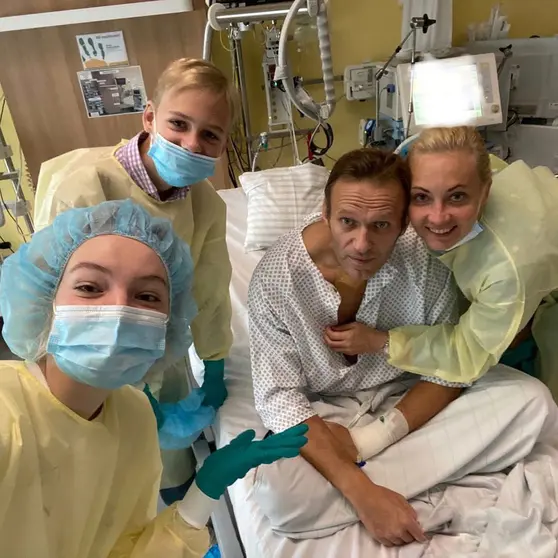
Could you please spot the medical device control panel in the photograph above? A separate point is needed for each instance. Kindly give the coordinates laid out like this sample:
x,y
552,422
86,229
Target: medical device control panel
x,y
360,84
278,102
529,78
450,92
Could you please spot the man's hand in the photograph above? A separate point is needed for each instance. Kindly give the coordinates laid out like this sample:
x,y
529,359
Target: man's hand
x,y
355,339
342,436
388,517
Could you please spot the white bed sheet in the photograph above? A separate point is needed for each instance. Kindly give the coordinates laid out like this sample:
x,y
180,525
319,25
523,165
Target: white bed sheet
x,y
478,495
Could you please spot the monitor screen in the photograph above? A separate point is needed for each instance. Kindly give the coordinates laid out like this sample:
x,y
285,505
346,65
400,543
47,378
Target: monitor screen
x,y
447,93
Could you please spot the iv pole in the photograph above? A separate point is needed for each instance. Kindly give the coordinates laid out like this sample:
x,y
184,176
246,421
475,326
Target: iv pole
x,y
423,23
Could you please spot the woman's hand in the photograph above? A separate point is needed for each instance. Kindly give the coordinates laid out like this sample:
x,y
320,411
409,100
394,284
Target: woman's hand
x,y
355,339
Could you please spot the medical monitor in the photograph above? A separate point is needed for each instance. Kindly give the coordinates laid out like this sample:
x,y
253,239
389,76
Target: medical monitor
x,y
451,92
529,78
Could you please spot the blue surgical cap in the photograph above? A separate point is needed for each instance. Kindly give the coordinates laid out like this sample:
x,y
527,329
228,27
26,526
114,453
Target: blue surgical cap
x,y
30,278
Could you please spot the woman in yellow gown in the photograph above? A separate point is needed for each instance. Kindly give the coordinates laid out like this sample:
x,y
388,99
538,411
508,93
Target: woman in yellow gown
x,y
499,236
90,304
165,168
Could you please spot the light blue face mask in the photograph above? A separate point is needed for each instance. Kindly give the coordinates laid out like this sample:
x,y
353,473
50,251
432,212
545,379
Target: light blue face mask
x,y
177,166
475,231
106,346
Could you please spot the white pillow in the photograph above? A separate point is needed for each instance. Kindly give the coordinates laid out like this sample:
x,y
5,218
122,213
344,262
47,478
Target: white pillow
x,y
279,200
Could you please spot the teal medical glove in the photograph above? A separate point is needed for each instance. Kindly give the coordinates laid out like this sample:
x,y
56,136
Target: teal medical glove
x,y
214,383
155,406
225,466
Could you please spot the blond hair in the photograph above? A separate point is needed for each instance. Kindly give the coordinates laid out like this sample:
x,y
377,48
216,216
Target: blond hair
x,y
192,73
459,138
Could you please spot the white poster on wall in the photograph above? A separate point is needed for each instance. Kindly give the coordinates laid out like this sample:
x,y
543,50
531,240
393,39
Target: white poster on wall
x,y
112,91
102,49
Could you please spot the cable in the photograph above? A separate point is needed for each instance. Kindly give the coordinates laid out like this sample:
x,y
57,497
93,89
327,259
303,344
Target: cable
x,y
255,160
260,42
294,141
232,176
316,150
242,165
5,242
514,119
3,107
225,48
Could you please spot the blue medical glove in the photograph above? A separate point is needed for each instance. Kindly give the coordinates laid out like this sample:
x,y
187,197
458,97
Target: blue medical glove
x,y
184,421
225,466
214,383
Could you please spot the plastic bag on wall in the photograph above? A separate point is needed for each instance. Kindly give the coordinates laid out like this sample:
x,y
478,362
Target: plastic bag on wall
x,y
439,35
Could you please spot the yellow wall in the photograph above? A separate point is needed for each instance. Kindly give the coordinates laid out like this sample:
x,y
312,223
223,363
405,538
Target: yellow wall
x,y
361,30
366,30
9,231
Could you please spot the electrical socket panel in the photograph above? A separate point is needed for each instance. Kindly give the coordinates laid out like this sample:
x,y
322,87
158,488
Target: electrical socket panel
x,y
360,83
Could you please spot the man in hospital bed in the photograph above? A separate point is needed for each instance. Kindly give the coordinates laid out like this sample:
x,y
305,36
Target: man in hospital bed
x,y
311,300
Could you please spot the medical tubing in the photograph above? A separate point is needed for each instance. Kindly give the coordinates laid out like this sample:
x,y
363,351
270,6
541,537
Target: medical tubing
x,y
314,110
405,143
283,68
327,63
207,38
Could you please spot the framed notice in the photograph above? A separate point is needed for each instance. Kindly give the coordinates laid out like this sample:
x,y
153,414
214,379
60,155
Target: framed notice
x,y
113,91
102,50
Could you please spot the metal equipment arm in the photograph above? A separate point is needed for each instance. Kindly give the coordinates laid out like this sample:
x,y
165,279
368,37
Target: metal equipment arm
x,y
423,23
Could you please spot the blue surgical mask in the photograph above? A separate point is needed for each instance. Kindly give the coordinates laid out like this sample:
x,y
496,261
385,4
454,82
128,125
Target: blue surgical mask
x,y
177,166
106,346
474,232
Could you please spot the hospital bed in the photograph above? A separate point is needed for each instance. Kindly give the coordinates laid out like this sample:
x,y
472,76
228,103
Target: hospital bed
x,y
479,492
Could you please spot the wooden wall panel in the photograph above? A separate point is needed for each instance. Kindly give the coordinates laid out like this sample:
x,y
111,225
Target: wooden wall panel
x,y
38,72
22,7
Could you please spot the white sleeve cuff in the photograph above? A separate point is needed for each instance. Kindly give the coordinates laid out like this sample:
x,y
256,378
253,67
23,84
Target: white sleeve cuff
x,y
196,507
383,432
